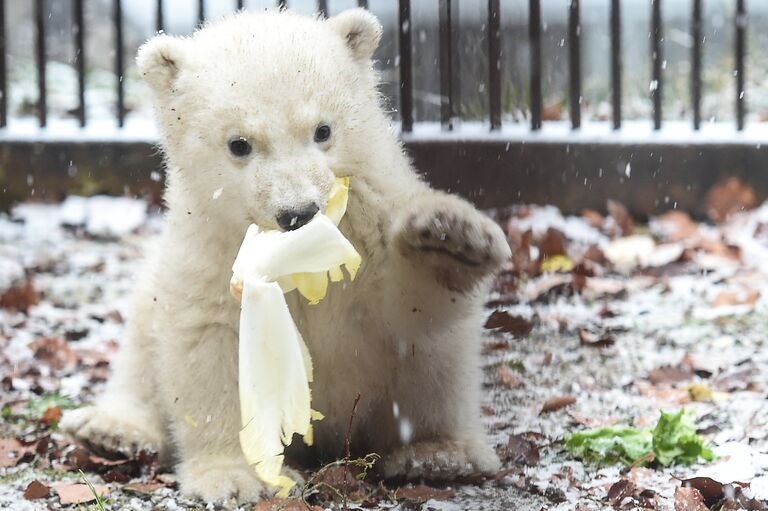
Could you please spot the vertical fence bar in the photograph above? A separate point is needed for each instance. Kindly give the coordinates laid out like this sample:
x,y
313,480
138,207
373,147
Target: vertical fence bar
x,y
616,71
696,30
362,3
534,36
494,63
200,12
406,66
3,76
447,113
119,65
574,62
79,33
657,59
159,18
741,32
240,5
322,8
42,96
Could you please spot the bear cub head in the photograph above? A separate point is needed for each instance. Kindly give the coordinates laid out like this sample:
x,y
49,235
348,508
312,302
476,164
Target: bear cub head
x,y
259,112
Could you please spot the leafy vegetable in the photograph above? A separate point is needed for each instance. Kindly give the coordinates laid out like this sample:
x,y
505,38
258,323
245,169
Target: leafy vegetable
x,y
673,440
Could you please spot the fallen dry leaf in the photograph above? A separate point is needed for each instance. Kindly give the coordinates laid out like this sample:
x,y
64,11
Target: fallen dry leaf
x,y
12,452
278,504
422,493
506,322
551,244
621,217
36,490
619,491
508,377
729,197
595,340
54,352
689,499
51,416
593,218
670,375
556,403
520,449
78,493
20,297
742,296
674,226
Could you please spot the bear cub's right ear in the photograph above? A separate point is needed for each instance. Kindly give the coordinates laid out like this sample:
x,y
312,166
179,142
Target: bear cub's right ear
x,y
159,61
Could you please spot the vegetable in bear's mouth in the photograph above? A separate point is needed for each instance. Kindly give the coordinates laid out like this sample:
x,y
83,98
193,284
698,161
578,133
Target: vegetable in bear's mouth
x,y
275,367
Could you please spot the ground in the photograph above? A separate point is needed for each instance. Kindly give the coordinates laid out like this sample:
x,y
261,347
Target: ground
x,y
595,321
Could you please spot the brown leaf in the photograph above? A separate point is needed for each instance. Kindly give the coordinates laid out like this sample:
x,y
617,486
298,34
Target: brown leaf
x,y
593,218
594,340
506,322
150,487
51,416
623,220
729,197
54,351
670,375
520,449
689,499
12,452
508,377
551,244
278,504
674,226
20,297
741,378
742,296
36,490
552,112
619,491
78,493
556,403
341,478
423,493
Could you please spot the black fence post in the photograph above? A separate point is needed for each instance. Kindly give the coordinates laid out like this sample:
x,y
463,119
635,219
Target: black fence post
x,y
494,63
657,60
696,31
574,62
42,94
78,31
119,64
534,35
159,18
3,74
616,71
741,32
406,69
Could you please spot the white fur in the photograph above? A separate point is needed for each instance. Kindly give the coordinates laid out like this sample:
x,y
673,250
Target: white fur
x,y
404,335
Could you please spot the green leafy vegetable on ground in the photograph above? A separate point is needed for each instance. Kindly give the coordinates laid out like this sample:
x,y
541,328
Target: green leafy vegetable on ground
x,y
673,440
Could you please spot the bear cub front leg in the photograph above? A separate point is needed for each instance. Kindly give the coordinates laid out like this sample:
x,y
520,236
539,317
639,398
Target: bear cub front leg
x,y
456,242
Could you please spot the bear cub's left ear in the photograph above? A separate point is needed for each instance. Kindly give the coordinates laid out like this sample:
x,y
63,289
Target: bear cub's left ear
x,y
360,29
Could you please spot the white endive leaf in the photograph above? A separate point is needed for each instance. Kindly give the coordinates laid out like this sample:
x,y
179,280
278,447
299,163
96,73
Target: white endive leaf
x,y
275,367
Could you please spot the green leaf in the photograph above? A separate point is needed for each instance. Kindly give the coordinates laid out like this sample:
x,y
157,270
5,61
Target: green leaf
x,y
673,440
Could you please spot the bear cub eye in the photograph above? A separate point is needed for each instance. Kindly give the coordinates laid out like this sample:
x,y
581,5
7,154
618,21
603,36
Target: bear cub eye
x,y
322,133
239,147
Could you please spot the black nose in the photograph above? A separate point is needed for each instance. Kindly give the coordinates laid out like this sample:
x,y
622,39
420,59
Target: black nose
x,y
292,219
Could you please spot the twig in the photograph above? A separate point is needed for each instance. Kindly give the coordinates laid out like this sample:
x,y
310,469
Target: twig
x,y
348,444
348,438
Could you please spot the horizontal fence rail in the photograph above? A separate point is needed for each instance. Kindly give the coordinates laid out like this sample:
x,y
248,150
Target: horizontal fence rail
x,y
504,141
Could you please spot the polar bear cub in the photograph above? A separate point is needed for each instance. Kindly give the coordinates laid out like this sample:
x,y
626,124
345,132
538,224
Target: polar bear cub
x,y
259,112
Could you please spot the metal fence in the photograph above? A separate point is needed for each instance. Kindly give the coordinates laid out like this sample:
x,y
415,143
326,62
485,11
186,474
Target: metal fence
x,y
495,166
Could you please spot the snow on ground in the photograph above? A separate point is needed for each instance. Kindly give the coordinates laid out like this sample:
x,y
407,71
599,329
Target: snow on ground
x,y
685,329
